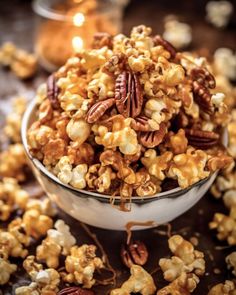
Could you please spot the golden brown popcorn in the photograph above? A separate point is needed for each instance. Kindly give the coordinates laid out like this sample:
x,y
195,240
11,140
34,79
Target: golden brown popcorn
x,y
45,206
7,53
185,284
186,259
231,262
78,130
82,154
10,246
225,226
6,269
189,168
226,288
178,142
17,229
140,281
36,224
24,65
13,120
122,136
53,151
29,290
13,162
81,265
47,280
49,252
156,165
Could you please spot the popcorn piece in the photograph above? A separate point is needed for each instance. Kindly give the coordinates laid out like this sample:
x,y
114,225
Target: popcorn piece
x,y
13,162
219,13
81,264
62,236
6,269
226,227
140,281
227,288
156,165
225,62
24,65
49,252
45,206
46,281
32,289
7,53
78,176
178,142
185,284
36,224
82,154
13,120
177,33
154,110
17,229
189,168
123,137
185,259
78,130
231,262
10,246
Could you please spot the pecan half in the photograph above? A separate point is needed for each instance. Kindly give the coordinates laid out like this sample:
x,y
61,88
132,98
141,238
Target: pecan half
x,y
134,253
203,77
202,97
158,40
141,124
75,291
53,91
153,138
98,109
128,94
201,139
101,39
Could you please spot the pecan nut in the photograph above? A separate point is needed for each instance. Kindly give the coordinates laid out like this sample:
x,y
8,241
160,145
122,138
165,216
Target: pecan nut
x,y
98,110
128,95
141,124
153,138
75,291
201,139
203,77
158,40
202,97
134,253
53,92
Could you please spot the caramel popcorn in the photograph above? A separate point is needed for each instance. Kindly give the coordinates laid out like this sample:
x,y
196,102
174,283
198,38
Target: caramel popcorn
x,y
23,64
13,120
13,162
231,262
185,284
226,288
80,265
6,269
140,281
36,224
186,259
46,280
11,246
189,168
158,109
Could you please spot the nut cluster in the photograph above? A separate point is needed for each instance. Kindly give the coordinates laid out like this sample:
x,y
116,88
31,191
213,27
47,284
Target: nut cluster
x,y
128,115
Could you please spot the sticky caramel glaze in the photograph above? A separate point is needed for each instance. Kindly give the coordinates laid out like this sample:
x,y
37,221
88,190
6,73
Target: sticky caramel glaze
x,y
131,224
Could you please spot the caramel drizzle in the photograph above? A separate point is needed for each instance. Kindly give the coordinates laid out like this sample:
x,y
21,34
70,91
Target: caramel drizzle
x,y
131,224
112,279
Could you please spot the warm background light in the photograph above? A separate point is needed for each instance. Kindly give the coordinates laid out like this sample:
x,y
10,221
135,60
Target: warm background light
x,y
78,19
77,43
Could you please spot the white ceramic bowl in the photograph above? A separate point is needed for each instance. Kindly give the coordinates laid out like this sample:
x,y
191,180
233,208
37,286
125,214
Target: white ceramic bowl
x,y
95,209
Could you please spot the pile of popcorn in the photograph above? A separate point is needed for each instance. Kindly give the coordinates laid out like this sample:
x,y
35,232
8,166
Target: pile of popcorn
x,y
128,115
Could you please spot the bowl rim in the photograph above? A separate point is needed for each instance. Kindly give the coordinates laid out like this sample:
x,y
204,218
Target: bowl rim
x,y
173,193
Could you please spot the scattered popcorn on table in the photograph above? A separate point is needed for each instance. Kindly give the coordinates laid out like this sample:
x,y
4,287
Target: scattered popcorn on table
x,y
225,62
177,33
10,246
140,282
185,260
6,269
81,264
231,262
219,13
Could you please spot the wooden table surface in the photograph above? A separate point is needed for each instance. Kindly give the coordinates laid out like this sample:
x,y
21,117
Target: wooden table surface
x,y
16,24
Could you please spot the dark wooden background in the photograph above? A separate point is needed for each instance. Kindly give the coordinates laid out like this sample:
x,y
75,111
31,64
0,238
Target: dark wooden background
x,y
17,24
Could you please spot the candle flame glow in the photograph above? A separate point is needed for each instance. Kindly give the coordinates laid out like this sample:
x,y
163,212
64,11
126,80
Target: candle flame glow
x,y
77,43
78,19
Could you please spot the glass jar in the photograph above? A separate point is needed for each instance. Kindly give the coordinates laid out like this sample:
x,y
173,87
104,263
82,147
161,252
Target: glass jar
x,y
64,27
